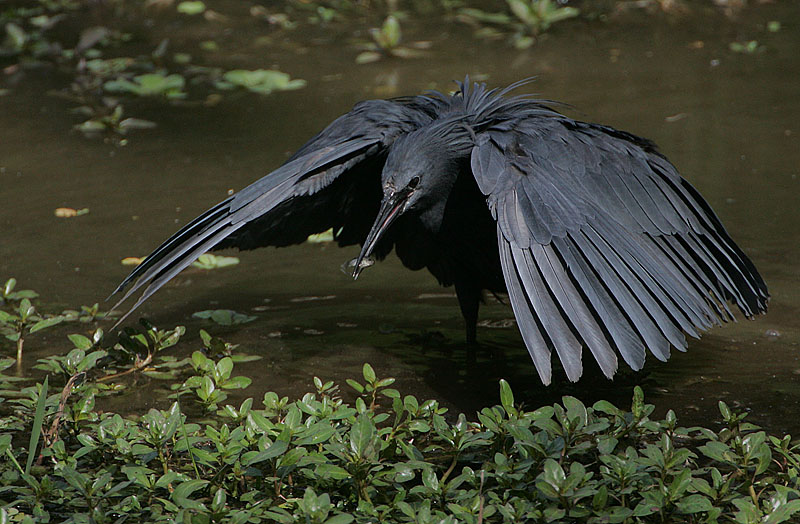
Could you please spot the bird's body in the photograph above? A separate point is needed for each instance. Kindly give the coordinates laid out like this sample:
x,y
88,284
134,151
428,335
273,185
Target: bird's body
x,y
593,234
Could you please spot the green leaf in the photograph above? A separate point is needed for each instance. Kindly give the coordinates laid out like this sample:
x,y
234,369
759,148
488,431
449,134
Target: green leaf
x,y
355,385
430,480
331,471
194,7
369,373
341,518
507,397
276,449
46,323
361,434
80,341
184,490
575,410
36,429
694,504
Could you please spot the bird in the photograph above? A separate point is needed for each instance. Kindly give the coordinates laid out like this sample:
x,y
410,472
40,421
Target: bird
x,y
596,239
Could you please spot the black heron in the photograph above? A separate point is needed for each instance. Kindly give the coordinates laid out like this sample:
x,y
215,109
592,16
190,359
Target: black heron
x,y
594,235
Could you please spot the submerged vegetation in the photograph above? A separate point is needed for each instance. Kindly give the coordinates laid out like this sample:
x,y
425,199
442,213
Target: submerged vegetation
x,y
366,453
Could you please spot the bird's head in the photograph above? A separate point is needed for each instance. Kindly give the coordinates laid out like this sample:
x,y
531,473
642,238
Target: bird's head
x,y
419,173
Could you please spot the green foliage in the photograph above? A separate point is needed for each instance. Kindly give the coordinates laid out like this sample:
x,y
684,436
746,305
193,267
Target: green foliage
x,y
18,322
8,293
539,15
527,18
261,81
385,457
386,42
149,84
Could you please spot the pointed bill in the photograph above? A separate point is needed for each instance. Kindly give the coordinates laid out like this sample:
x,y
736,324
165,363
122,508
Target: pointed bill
x,y
391,208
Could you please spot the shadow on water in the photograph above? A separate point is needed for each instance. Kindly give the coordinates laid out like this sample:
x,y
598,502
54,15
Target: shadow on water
x,y
728,121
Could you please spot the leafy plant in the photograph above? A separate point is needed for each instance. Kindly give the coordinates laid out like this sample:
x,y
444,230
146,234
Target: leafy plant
x,y
386,42
15,325
386,457
8,293
527,18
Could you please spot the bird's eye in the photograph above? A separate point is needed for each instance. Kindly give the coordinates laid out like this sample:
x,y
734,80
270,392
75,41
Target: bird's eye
x,y
414,182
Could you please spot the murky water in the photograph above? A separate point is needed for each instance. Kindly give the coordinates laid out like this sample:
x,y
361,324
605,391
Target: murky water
x,y
729,122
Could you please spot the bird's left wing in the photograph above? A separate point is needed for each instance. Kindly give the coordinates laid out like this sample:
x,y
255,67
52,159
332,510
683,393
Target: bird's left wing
x,y
314,190
604,245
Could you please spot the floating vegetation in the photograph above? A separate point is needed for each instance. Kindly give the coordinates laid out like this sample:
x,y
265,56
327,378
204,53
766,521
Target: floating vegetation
x,y
204,261
261,81
224,317
191,7
149,84
69,212
320,238
211,261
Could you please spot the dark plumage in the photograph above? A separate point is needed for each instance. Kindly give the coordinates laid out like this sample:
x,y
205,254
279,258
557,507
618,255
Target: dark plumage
x,y
594,235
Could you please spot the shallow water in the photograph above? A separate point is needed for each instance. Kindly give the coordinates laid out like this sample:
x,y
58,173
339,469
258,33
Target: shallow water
x,y
727,120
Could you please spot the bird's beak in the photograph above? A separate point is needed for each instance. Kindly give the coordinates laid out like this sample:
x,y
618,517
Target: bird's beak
x,y
391,208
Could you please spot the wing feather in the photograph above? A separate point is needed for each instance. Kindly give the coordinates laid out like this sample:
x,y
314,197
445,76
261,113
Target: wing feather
x,y
520,304
599,230
350,143
574,307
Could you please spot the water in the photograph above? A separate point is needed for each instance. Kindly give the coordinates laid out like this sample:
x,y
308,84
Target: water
x,y
727,120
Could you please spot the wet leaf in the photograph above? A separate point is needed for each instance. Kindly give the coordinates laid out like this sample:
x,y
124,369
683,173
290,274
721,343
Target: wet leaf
x,y
367,57
211,261
68,212
325,236
136,123
191,7
46,323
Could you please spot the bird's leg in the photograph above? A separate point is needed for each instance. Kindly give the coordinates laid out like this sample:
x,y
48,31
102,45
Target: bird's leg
x,y
469,298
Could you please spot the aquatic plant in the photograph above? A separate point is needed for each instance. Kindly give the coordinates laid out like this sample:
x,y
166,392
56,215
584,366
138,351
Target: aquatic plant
x,y
261,81
527,18
386,42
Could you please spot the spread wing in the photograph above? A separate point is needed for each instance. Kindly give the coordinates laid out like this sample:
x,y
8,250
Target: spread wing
x,y
332,181
604,245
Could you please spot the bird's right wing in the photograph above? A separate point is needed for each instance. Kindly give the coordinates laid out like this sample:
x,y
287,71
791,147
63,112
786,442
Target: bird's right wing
x,y
317,188
604,245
